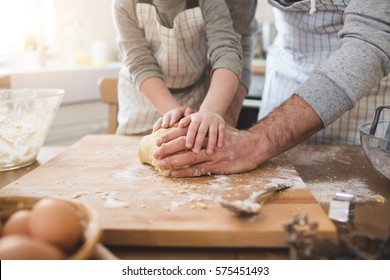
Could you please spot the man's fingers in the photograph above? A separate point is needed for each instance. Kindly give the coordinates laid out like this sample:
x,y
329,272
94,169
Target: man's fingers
x,y
171,135
182,160
196,170
175,146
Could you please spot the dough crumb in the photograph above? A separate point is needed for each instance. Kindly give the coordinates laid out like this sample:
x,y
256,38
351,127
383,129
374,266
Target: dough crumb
x,y
78,194
380,199
182,191
201,205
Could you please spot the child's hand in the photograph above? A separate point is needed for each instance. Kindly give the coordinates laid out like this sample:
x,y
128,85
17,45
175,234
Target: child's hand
x,y
170,118
202,124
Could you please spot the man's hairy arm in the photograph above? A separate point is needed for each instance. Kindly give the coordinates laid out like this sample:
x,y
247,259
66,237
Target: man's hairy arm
x,y
285,127
281,130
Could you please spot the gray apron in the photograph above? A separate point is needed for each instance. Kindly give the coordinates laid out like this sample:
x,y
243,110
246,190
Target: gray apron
x,y
307,35
181,53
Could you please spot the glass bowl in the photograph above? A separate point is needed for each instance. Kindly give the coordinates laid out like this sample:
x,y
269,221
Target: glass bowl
x,y
25,118
376,147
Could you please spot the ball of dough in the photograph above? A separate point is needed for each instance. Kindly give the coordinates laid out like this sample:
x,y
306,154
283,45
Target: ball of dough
x,y
146,148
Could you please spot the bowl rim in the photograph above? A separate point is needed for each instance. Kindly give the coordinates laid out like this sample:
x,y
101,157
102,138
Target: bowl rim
x,y
49,92
364,133
368,126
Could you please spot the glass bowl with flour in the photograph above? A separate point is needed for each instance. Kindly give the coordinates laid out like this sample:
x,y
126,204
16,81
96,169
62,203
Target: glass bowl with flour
x,y
25,118
375,140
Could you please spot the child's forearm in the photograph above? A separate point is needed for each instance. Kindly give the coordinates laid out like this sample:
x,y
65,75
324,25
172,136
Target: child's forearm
x,y
155,90
223,86
233,112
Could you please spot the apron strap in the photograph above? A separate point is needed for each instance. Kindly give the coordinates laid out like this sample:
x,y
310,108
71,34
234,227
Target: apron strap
x,y
145,1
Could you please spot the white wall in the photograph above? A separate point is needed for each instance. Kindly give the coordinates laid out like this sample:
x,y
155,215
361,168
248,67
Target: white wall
x,y
65,30
264,12
96,22
93,21
79,23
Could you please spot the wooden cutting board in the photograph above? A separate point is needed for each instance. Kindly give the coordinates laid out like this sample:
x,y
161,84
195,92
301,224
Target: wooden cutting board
x,y
139,207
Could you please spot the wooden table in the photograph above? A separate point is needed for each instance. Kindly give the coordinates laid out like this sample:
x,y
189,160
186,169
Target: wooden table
x,y
325,170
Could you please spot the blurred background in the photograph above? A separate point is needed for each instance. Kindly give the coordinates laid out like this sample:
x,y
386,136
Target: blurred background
x,y
49,32
70,44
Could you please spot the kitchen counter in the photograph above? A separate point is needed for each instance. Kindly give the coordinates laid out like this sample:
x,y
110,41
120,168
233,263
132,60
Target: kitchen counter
x,y
325,170
78,81
330,169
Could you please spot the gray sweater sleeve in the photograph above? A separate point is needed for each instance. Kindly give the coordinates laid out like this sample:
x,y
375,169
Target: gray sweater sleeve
x,y
360,62
224,48
136,55
243,15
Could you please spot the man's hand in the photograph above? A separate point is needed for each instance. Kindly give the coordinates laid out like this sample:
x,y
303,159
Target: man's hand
x,y
243,150
238,157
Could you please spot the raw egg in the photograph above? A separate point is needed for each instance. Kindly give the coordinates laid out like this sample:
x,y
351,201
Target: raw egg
x,y
22,247
17,223
56,222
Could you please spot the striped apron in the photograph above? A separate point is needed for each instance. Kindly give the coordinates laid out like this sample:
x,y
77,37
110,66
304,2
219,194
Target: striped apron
x,y
181,53
307,35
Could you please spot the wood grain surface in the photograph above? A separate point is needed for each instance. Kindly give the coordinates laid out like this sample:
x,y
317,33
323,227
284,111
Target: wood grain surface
x,y
140,208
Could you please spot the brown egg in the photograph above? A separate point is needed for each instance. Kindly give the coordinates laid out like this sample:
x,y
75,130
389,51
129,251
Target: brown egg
x,y
17,223
22,247
56,222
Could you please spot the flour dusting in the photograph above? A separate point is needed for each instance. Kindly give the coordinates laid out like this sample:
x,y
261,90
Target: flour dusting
x,y
110,200
174,205
131,172
287,176
114,203
325,191
220,182
313,156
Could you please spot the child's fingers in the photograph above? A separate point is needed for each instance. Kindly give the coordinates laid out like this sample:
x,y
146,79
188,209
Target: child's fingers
x,y
221,135
191,134
166,120
212,139
175,117
200,136
157,124
188,111
184,122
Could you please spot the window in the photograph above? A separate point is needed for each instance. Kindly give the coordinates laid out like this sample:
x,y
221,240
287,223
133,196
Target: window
x,y
27,27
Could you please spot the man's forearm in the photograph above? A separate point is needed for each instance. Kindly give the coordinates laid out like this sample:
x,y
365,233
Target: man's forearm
x,y
244,150
285,127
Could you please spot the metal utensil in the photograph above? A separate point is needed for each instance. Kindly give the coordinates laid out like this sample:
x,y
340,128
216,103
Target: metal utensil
x,y
249,206
375,140
385,146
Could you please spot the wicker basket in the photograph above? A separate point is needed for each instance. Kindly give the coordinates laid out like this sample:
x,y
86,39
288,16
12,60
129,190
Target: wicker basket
x,y
88,217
